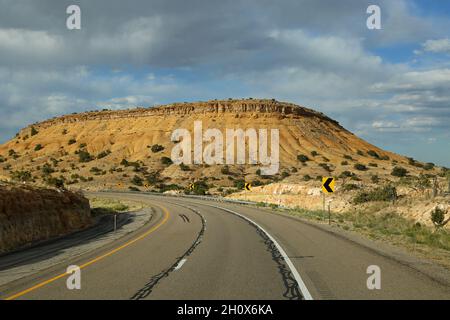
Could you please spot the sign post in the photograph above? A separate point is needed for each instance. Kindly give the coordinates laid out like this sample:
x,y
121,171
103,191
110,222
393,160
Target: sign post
x,y
327,187
247,187
329,213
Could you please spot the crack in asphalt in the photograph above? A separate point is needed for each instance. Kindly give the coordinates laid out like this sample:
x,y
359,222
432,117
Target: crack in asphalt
x,y
292,290
148,288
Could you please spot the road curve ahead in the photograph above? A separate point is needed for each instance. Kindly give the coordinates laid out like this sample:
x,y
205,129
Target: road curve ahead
x,y
198,249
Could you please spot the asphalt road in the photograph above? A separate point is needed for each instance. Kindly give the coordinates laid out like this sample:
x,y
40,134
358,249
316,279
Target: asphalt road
x,y
197,249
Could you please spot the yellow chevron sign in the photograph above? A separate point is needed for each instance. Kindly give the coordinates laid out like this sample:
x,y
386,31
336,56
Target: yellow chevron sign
x,y
327,185
248,186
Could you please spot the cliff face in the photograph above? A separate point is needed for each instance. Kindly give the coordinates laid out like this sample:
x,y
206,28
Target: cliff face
x,y
29,214
217,107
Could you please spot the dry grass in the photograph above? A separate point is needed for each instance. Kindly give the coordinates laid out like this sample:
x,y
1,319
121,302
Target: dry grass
x,y
377,223
108,205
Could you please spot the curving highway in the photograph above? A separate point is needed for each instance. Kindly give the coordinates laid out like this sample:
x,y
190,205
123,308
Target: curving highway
x,y
198,249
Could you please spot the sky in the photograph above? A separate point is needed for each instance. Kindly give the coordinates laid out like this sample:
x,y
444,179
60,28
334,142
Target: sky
x,y
389,86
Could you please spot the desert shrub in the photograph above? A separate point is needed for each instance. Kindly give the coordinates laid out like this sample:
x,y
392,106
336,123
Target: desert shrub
x,y
443,173
257,183
326,159
84,156
127,163
375,178
302,158
184,167
438,217
166,161
307,177
103,154
428,166
386,193
350,186
373,153
95,170
38,147
385,157
54,182
131,188
346,174
239,184
344,163
21,175
226,170
72,141
360,167
54,162
294,170
82,145
200,188
285,174
422,182
346,156
371,164
360,153
325,166
152,177
33,131
47,169
137,180
399,172
2,159
156,148
64,131
314,153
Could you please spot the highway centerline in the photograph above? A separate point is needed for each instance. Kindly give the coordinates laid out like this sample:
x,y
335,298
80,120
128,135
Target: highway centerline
x,y
144,235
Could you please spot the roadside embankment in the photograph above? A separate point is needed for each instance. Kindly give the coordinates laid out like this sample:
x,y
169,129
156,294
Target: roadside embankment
x,y
29,214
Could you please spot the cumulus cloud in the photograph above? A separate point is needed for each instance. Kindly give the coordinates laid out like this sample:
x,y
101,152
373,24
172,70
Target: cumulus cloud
x,y
314,53
437,46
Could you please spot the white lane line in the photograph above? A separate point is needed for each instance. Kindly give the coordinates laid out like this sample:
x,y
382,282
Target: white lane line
x,y
180,264
291,266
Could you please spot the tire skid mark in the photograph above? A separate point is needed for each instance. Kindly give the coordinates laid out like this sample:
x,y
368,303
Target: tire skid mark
x,y
184,217
148,288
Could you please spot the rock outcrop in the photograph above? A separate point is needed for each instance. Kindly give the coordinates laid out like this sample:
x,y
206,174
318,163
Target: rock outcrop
x,y
30,214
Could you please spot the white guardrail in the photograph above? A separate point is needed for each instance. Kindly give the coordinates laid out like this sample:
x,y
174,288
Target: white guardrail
x,y
210,198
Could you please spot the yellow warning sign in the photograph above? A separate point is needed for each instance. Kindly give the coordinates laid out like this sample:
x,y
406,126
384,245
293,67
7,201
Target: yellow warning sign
x,y
327,185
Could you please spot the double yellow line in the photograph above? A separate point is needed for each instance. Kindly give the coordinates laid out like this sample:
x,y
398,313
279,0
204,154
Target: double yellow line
x,y
39,285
